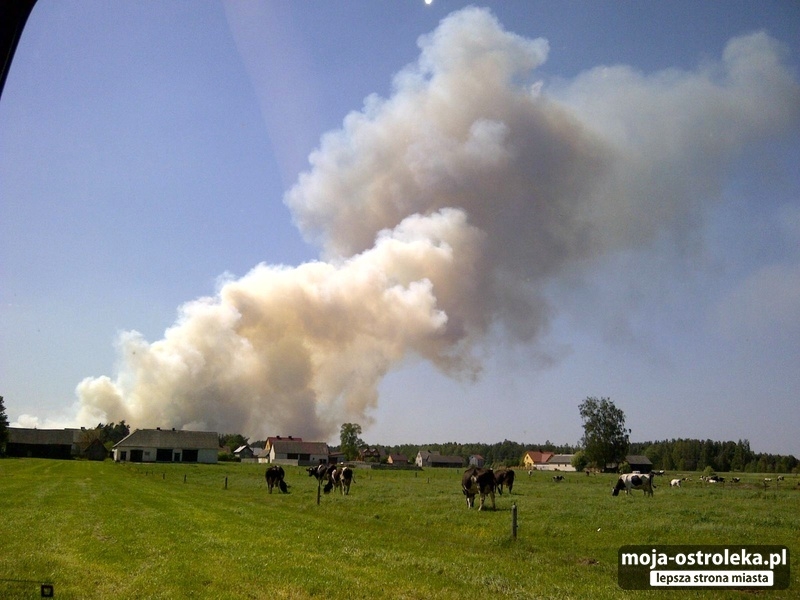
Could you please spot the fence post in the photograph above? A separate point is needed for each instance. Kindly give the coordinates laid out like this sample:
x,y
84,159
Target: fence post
x,y
226,482
514,520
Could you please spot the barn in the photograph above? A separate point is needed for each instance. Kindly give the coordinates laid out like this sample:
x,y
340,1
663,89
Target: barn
x,y
426,458
639,463
476,460
397,460
293,452
42,443
168,445
558,462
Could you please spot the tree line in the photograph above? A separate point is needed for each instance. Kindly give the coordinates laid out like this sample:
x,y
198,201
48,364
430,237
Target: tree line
x,y
505,453
696,455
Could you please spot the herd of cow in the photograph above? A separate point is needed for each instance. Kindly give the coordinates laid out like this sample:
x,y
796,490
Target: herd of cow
x,y
475,481
331,476
483,482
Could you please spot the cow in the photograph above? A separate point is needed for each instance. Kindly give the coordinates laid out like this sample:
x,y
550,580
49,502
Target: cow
x,y
334,479
274,476
324,473
675,483
558,478
634,481
478,481
780,477
346,477
504,477
736,480
319,471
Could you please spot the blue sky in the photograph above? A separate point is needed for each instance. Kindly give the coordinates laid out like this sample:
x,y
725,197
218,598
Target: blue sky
x,y
478,243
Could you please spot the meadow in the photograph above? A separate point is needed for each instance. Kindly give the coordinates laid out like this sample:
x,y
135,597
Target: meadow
x,y
106,530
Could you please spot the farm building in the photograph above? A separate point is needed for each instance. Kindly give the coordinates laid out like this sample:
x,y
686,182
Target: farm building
x,y
277,438
639,463
168,445
244,452
294,452
397,459
476,460
434,459
558,462
534,459
371,454
95,451
43,443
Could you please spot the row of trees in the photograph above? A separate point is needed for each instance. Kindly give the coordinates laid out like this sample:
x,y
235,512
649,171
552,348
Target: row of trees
x,y
606,441
696,455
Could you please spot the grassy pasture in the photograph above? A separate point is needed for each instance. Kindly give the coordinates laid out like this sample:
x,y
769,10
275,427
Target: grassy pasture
x,y
105,530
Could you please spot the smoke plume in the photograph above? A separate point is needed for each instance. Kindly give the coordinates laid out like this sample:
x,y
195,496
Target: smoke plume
x,y
442,214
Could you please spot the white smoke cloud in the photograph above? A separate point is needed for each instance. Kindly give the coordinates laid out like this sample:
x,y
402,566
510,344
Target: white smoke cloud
x,y
442,213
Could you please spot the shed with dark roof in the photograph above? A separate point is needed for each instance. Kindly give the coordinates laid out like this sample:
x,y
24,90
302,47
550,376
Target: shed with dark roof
x,y
42,443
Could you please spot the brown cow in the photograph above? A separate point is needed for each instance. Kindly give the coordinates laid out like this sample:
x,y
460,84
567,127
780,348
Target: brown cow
x,y
504,477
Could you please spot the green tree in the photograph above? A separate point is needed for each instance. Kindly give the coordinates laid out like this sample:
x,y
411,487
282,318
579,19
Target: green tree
x,y
3,427
232,440
579,460
605,439
350,440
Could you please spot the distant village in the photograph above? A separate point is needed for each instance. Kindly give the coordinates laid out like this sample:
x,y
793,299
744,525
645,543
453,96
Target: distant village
x,y
175,446
171,445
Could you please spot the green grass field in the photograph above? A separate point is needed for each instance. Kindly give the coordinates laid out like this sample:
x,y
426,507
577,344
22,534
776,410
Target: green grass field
x,y
105,530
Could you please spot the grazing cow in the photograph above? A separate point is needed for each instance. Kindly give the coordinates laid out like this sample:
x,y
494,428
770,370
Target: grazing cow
x,y
504,477
780,477
735,480
346,477
633,481
274,476
320,472
478,481
324,473
675,483
334,479
558,478
768,479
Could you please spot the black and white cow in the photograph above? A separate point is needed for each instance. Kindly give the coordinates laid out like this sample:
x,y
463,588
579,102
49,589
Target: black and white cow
x,y
346,478
478,481
502,478
558,478
634,481
274,476
334,479
319,471
325,474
